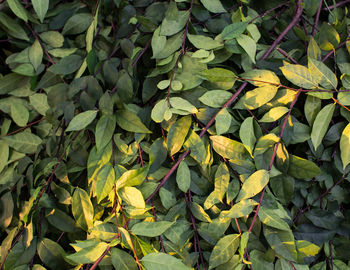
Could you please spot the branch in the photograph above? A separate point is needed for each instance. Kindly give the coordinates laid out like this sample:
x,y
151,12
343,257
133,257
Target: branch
x,y
337,5
23,128
288,28
268,11
332,52
314,27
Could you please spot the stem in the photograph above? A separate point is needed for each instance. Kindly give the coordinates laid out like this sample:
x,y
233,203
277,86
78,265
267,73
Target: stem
x,y
288,28
268,11
337,5
285,54
332,52
23,128
142,52
314,27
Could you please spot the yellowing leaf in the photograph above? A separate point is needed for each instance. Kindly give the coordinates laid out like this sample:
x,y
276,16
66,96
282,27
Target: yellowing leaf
x,y
261,77
274,114
256,98
228,148
253,185
345,146
300,76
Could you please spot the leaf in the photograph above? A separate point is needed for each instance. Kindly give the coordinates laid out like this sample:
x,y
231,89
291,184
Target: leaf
x,y
228,148
40,8
67,65
132,196
82,120
159,110
223,121
104,131
132,178
240,209
36,54
4,150
300,76
182,104
7,206
18,9
104,182
174,22
177,134
158,43
82,209
130,122
234,30
122,260
19,114
220,77
246,134
274,114
214,6
302,168
327,78
248,44
12,81
256,98
253,185
39,102
313,50
183,177
199,213
204,42
329,37
53,38
261,77
77,24
270,217
88,254
197,147
151,229
12,27
24,142
162,261
215,98
345,146
321,124
312,107
51,253
224,250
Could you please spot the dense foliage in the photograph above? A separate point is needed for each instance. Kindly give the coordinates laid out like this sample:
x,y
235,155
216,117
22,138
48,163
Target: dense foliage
x,y
186,134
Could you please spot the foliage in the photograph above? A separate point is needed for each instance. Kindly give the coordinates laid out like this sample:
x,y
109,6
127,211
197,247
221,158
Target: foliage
x,y
186,134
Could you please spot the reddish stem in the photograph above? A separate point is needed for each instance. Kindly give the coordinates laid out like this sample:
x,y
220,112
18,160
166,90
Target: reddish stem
x,y
314,27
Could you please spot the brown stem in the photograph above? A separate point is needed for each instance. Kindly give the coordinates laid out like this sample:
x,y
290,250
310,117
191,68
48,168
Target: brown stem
x,y
337,5
288,28
314,27
285,54
23,128
268,11
142,52
333,51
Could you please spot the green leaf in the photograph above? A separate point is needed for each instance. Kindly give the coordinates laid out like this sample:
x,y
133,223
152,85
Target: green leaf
x,y
240,209
175,22
18,9
177,134
321,124
158,43
104,182
24,142
302,168
261,77
11,82
36,54
60,220
4,150
151,229
329,38
345,146
300,76
203,42
199,213
82,120
82,209
215,98
253,185
77,24
270,217
197,147
228,148
53,38
159,111
313,50
248,44
40,7
234,30
132,178
183,177
214,6
19,114
132,196
223,121
67,65
256,98
274,114
162,261
12,27
39,102
104,131
130,122
246,134
312,107
51,253
88,254
220,77
122,260
327,78
7,206
224,250
182,104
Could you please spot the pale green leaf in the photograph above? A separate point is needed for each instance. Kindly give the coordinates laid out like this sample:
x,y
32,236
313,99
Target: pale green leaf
x,y
246,134
18,9
19,114
40,7
151,229
132,177
162,261
253,185
36,54
327,78
345,146
104,182
53,38
224,250
321,124
271,218
82,209
183,177
24,142
88,254
234,30
248,44
130,122
77,24
182,104
203,42
122,260
199,213
215,98
81,120
214,6
104,131
39,102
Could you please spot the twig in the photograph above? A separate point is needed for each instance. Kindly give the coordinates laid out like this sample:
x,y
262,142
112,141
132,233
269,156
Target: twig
x,y
142,52
332,51
23,128
314,27
268,11
186,27
288,28
285,54
337,5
